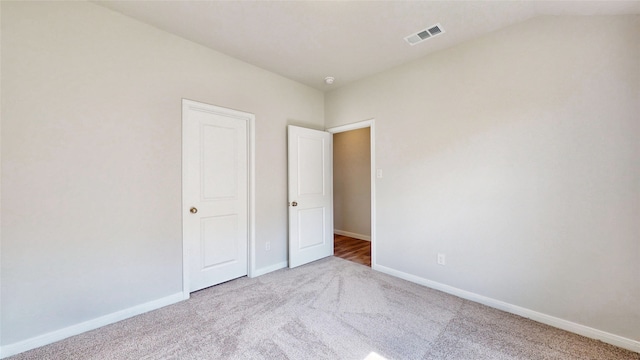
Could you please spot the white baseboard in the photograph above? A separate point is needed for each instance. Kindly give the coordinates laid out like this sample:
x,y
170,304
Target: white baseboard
x,y
25,345
353,235
583,330
57,335
268,269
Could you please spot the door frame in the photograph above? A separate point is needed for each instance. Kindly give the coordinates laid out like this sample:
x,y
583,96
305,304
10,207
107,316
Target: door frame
x,y
371,124
250,120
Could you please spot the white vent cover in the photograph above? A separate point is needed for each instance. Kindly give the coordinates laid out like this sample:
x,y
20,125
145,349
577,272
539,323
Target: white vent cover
x,y
425,34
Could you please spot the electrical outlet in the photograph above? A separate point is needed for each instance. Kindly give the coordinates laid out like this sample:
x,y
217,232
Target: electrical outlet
x,y
441,259
267,245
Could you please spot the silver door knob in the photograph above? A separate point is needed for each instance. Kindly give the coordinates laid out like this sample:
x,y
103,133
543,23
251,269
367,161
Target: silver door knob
x,y
193,210
294,204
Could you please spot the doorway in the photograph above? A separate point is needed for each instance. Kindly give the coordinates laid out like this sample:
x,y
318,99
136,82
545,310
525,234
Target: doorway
x,y
354,189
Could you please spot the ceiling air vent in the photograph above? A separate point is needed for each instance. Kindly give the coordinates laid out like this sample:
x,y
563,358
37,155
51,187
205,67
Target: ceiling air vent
x,y
425,34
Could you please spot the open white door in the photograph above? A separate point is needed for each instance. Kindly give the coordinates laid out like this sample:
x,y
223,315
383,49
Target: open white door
x,y
215,194
310,195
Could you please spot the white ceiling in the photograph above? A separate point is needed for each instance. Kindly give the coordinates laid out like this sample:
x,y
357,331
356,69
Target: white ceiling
x,y
309,40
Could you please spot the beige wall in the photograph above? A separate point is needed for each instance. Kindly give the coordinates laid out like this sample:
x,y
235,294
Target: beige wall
x,y
352,182
91,159
517,156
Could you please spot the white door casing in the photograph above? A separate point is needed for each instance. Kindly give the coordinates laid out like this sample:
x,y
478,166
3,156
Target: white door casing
x,y
372,131
310,162
216,194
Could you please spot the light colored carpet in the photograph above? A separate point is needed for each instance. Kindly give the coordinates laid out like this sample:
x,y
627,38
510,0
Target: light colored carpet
x,y
329,309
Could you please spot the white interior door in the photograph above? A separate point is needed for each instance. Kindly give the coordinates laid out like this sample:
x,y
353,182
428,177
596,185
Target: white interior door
x,y
310,195
215,193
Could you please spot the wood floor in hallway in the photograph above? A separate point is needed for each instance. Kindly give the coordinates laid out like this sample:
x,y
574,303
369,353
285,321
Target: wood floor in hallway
x,y
351,249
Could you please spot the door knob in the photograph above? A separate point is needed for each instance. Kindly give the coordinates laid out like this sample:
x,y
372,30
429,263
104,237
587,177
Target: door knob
x,y
193,210
294,204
